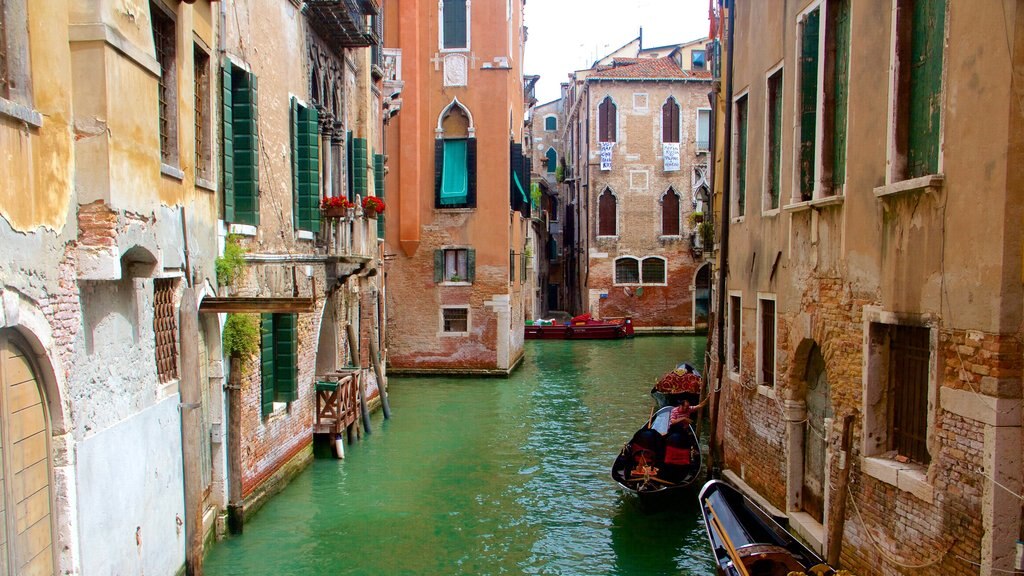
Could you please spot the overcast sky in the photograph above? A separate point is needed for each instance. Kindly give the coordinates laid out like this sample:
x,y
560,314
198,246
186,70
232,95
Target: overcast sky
x,y
568,35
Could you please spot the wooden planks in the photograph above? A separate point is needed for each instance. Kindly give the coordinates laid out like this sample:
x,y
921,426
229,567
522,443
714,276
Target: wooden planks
x,y
253,305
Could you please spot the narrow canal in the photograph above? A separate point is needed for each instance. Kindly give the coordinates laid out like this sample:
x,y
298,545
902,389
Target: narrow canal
x,y
487,476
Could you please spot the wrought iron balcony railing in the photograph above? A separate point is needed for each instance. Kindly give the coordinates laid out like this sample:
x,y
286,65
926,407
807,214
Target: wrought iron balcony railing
x,y
345,23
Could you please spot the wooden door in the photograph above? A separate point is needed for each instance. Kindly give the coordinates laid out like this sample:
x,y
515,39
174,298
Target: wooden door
x,y
26,547
818,409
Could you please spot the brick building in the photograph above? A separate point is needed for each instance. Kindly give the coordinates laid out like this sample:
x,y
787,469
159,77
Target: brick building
x,y
874,275
635,141
459,183
549,169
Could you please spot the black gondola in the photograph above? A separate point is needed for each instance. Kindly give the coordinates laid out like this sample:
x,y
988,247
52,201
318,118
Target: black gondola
x,y
747,541
676,386
659,459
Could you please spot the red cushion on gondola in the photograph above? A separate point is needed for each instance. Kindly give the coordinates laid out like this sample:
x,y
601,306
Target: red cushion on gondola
x,y
678,456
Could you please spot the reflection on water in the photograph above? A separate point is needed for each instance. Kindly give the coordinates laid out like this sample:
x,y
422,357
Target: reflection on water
x,y
488,476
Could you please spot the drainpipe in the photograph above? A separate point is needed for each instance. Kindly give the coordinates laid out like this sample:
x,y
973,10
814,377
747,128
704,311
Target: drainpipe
x,y
723,268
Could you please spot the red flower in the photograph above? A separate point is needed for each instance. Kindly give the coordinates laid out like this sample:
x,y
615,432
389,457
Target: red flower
x,y
336,202
374,204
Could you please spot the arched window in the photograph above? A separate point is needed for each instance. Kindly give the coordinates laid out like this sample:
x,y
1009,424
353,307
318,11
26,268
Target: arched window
x,y
670,121
606,207
653,270
670,213
552,160
606,129
551,123
455,158
627,270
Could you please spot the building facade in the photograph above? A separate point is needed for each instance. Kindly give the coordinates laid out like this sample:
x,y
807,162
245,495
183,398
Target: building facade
x,y
873,304
637,137
459,188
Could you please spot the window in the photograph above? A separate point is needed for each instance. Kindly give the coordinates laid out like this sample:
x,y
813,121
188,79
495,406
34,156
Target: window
x,y
652,270
455,160
306,166
627,270
455,265
164,43
551,123
203,114
278,353
740,176
455,24
735,319
241,146
455,320
519,172
165,329
698,60
774,139
703,129
837,94
921,28
670,213
807,98
378,191
552,158
670,121
909,356
606,130
766,339
606,207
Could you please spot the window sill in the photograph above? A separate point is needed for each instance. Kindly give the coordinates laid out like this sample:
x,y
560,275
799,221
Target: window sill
x,y
455,283
205,184
909,477
456,210
670,237
304,235
771,213
766,391
738,219
453,334
815,204
242,229
21,113
280,411
930,183
172,171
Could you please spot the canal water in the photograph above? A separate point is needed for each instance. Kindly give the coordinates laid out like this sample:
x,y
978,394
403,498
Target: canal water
x,y
488,476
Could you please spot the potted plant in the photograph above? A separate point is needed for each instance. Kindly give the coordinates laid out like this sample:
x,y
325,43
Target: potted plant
x,y
335,207
696,218
372,206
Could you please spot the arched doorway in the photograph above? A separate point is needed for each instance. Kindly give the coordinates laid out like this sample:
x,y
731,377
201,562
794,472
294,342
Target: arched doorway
x,y
819,409
702,297
25,465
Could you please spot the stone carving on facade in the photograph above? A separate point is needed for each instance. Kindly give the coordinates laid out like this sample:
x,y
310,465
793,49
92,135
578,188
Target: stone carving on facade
x,y
325,82
455,70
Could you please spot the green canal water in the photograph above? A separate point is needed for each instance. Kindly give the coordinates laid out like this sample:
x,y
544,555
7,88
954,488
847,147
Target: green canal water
x,y
488,476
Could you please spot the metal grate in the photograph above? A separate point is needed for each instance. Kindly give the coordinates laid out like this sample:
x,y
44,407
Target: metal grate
x,y
652,271
627,271
768,342
908,383
734,329
165,327
456,319
163,42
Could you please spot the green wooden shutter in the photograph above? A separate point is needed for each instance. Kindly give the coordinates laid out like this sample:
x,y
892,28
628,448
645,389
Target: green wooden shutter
x,y
297,221
775,141
522,267
246,148
308,168
471,172
349,159
438,170
378,181
470,265
741,155
841,84
267,363
227,137
360,178
928,27
438,266
285,353
808,102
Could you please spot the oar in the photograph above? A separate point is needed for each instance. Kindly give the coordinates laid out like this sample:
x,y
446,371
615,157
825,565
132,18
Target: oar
x,y
729,548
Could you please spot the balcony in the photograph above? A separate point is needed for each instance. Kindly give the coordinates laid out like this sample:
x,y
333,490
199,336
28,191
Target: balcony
x,y
344,23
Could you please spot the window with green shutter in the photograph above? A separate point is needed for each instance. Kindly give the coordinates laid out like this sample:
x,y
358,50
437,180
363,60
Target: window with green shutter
x,y
927,35
241,193
454,176
360,167
278,359
227,143
305,166
774,139
550,123
454,24
810,31
455,265
552,157
741,155
378,189
837,92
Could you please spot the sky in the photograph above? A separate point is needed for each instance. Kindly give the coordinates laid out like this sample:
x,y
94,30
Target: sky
x,y
568,35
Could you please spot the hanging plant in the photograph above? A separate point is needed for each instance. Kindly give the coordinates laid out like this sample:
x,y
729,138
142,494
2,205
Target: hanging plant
x,y
241,335
707,233
229,265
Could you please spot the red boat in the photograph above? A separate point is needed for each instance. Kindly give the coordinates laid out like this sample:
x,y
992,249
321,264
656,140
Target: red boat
x,y
581,327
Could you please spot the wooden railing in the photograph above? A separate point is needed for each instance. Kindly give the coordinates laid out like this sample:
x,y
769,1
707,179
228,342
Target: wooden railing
x,y
337,402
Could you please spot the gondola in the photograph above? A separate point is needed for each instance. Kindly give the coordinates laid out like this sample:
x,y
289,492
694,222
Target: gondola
x,y
659,460
683,383
747,541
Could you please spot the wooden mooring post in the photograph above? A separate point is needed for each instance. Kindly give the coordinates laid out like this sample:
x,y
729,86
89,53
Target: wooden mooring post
x,y
378,369
838,522
234,388
353,348
191,424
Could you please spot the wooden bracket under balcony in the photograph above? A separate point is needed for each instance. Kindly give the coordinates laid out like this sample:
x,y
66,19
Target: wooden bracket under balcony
x,y
268,305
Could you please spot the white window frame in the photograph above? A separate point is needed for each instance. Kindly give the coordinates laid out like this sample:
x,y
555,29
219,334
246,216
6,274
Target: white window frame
x,y
598,212
735,371
440,28
597,125
767,388
639,271
696,140
555,116
734,143
819,116
643,281
679,214
445,278
441,332
766,209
